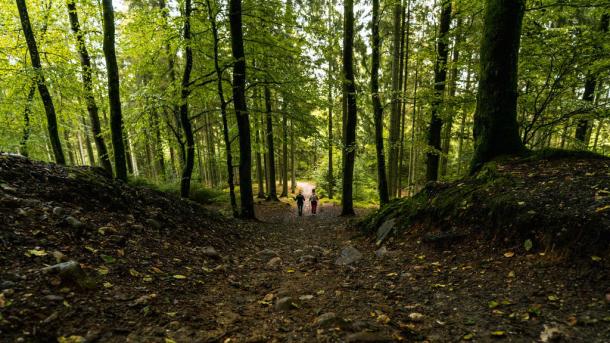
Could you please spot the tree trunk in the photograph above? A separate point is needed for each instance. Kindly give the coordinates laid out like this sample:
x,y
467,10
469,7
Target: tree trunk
x,y
293,184
349,94
272,195
382,183
241,110
404,102
27,128
394,140
446,142
284,153
185,121
223,112
114,96
45,95
495,123
87,72
411,180
582,127
440,76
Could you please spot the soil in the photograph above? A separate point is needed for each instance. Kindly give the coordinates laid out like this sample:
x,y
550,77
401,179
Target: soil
x,y
275,280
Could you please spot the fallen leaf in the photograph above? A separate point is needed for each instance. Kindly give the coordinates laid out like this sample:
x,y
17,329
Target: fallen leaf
x,y
36,252
103,270
468,336
134,272
509,254
553,297
498,333
528,244
108,259
596,258
108,285
179,277
71,339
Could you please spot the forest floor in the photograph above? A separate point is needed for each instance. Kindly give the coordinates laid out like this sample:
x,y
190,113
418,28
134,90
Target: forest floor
x,y
164,270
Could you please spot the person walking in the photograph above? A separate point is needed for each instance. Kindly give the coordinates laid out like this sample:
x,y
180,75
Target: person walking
x,y
313,200
300,202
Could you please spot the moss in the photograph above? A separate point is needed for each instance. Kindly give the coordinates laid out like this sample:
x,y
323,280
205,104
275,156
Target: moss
x,y
555,154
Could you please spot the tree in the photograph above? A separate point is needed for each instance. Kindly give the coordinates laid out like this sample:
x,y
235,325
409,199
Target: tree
x,y
495,123
223,111
45,95
349,100
440,77
394,141
270,147
241,110
87,76
382,184
114,95
185,121
589,93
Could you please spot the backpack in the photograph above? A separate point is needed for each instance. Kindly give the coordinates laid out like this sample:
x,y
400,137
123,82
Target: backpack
x,y
313,198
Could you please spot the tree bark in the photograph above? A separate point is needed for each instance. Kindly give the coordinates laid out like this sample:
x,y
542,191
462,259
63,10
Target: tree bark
x,y
394,139
495,123
86,70
114,96
382,183
272,195
241,110
293,184
440,77
284,153
45,95
404,102
27,128
185,121
349,94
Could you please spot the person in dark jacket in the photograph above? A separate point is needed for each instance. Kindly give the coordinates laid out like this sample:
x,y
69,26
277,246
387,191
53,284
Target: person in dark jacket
x,y
300,202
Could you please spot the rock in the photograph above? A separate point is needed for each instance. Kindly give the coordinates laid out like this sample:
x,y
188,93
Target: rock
x,y
52,297
552,334
329,319
145,299
153,223
58,211
348,256
50,318
416,317
267,253
70,272
384,230
210,252
73,222
285,304
306,297
381,252
367,337
274,263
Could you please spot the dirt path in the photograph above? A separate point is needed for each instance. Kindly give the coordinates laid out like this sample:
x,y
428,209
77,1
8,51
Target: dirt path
x,y
284,285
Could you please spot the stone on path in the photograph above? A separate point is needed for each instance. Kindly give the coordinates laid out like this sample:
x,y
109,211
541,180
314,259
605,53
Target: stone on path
x,y
70,272
384,230
285,304
274,263
348,256
329,319
210,252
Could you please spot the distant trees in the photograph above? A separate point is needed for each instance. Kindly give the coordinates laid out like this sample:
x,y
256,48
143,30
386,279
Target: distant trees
x,y
185,91
495,123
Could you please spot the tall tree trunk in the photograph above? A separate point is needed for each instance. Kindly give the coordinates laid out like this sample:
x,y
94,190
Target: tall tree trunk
x,y
382,183
241,110
463,121
45,95
404,102
440,76
114,96
349,94
495,124
284,153
27,128
394,140
293,183
158,152
185,121
88,142
223,112
413,123
270,148
69,146
453,76
582,127
86,70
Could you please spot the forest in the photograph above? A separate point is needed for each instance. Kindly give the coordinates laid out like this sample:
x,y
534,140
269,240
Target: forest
x,y
152,149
